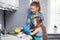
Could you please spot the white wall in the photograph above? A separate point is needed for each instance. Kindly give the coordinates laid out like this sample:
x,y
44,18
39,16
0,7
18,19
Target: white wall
x,y
18,18
53,18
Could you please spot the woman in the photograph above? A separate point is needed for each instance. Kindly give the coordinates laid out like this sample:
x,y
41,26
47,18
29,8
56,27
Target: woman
x,y
35,11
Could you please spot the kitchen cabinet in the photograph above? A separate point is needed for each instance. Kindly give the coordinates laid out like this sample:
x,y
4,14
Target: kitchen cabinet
x,y
9,4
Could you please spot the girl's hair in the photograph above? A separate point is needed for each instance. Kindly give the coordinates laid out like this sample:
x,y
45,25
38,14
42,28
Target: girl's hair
x,y
38,19
37,4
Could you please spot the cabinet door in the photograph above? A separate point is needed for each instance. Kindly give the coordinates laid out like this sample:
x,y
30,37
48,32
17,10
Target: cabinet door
x,y
14,4
17,4
11,4
4,4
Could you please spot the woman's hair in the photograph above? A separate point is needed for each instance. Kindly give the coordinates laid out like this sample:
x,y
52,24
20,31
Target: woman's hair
x,y
38,19
37,4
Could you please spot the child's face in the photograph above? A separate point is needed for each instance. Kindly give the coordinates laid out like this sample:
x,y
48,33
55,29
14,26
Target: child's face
x,y
34,9
37,22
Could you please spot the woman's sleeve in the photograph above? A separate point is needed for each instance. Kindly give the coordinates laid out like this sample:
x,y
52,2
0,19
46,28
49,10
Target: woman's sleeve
x,y
42,17
28,16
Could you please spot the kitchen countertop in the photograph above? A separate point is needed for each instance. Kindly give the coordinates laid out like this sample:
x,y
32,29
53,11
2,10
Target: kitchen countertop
x,y
11,37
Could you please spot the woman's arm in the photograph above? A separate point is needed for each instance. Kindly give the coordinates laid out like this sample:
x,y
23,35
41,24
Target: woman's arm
x,y
36,30
28,16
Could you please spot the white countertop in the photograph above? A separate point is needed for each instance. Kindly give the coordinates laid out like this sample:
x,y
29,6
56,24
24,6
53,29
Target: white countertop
x,y
11,37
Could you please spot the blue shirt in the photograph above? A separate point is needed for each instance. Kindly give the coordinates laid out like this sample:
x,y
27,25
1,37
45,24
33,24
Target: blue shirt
x,y
30,15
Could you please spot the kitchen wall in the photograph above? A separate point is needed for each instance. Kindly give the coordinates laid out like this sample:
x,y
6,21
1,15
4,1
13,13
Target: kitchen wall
x,y
1,19
18,18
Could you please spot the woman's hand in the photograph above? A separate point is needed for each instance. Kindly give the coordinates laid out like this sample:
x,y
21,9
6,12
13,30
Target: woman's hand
x,y
20,28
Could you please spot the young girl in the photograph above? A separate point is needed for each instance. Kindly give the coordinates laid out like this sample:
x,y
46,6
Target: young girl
x,y
38,32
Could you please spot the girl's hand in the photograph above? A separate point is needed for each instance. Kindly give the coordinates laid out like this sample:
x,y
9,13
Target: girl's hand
x,y
29,37
32,30
35,15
